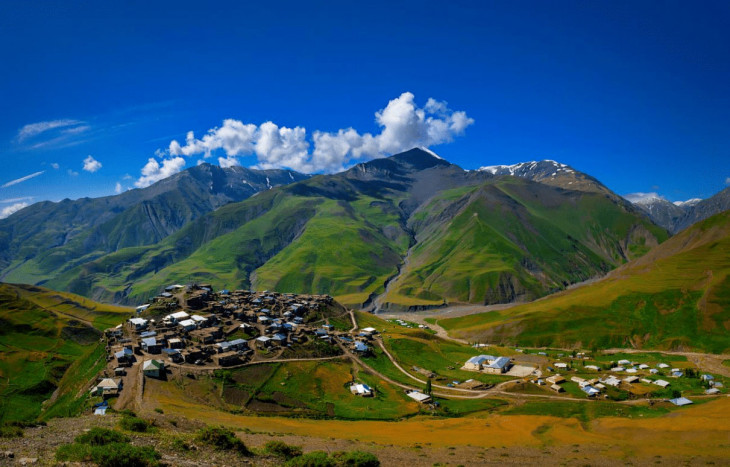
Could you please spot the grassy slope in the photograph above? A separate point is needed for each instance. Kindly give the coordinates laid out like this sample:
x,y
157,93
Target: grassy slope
x,y
293,242
48,339
678,295
512,239
341,237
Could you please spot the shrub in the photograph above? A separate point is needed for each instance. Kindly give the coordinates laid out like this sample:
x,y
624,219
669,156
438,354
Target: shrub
x,y
159,410
125,455
222,438
283,450
356,459
11,431
180,444
110,455
312,459
130,423
101,436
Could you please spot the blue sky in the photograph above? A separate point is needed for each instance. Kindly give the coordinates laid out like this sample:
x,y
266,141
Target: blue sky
x,y
633,93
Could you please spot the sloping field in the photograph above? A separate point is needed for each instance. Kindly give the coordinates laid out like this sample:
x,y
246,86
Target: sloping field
x,y
675,297
48,341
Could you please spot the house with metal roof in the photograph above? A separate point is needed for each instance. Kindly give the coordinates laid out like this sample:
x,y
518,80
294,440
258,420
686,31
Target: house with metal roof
x,y
153,368
499,366
476,363
680,401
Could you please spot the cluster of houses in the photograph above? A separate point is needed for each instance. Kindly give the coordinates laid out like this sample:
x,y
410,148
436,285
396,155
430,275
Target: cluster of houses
x,y
488,364
632,373
209,328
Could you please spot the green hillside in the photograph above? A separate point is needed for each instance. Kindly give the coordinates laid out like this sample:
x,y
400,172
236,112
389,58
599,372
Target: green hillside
x,y
45,239
48,341
482,239
512,239
676,296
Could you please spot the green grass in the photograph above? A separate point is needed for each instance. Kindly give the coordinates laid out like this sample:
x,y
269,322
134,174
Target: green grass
x,y
489,250
676,297
586,411
319,389
48,340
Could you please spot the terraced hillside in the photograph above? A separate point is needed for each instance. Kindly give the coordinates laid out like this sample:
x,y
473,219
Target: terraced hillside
x,y
349,234
677,296
49,343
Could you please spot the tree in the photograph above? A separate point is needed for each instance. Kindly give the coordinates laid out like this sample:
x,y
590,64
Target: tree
x,y
428,386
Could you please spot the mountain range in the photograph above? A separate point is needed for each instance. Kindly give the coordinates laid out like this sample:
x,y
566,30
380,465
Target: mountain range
x,y
677,216
47,237
404,232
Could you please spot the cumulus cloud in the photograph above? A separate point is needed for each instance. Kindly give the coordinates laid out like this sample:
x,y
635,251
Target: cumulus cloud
x,y
640,197
226,162
72,173
118,188
153,171
22,179
91,164
727,181
13,208
34,129
55,165
403,125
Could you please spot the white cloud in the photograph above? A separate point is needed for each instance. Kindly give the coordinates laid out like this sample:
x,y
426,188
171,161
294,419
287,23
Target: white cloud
x,y
640,197
727,181
226,162
55,165
91,164
153,171
6,211
34,129
22,179
72,173
403,125
118,188
16,200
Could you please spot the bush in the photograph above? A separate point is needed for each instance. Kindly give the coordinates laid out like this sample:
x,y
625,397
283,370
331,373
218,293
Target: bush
x,y
110,455
283,450
11,431
338,459
222,438
131,423
312,459
125,455
356,459
101,436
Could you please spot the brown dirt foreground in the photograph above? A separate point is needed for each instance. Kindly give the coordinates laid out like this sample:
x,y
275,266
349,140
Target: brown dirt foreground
x,y
697,434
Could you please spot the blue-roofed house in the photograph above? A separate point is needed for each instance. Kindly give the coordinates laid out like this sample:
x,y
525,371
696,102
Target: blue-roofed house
x,y
360,347
476,363
680,401
279,338
150,345
124,356
499,366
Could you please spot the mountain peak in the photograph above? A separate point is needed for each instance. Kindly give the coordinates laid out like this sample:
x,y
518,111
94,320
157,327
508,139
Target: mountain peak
x,y
546,167
420,158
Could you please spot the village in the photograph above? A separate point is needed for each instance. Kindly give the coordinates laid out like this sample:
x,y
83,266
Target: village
x,y
196,328
193,329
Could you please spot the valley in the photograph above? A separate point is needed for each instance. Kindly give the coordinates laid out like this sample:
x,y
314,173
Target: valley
x,y
405,308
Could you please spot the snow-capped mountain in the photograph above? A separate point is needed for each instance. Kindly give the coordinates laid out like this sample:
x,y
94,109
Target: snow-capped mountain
x,y
552,173
679,215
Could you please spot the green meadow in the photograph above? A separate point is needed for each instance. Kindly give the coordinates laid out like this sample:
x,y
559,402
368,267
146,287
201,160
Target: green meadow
x,y
677,296
48,341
